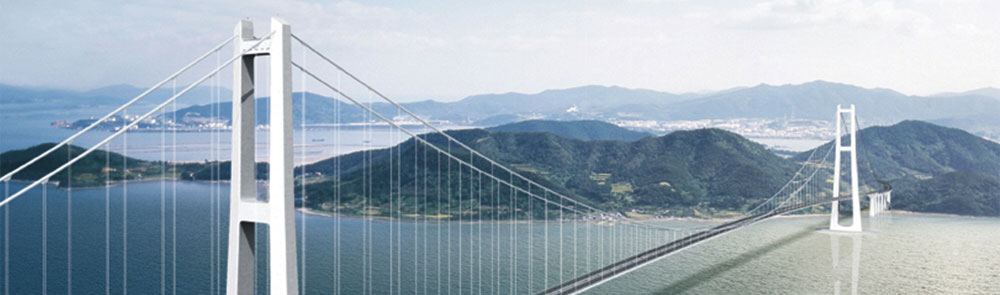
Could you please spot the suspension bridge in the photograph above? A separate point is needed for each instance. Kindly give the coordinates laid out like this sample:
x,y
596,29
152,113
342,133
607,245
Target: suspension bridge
x,y
408,206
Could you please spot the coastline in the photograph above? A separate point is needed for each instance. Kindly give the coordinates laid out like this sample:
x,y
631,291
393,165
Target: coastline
x,y
313,212
118,182
307,211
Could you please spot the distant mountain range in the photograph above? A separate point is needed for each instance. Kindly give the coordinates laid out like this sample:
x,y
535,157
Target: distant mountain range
x,y
988,91
478,110
582,130
973,110
815,100
110,97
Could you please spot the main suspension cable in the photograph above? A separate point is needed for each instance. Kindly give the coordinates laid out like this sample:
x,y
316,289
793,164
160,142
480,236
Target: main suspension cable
x,y
7,177
129,126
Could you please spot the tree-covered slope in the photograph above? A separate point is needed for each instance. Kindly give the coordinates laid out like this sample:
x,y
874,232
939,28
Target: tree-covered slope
x,y
921,149
100,167
932,168
93,169
963,193
708,169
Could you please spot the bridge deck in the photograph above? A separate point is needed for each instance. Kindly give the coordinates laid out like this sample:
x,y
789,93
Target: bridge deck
x,y
623,266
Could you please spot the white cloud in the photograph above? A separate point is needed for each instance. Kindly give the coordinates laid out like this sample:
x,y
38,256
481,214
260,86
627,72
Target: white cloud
x,y
786,14
967,29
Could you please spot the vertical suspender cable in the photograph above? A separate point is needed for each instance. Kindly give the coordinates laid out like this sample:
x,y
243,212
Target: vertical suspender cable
x,y
69,221
125,204
398,211
546,243
416,216
218,179
479,215
426,226
163,202
337,225
173,209
437,191
460,228
6,240
399,215
302,180
107,219
211,194
513,237
45,236
531,242
451,218
6,227
392,207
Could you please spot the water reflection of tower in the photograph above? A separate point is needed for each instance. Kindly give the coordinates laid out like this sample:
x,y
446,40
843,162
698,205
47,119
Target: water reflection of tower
x,y
880,221
855,260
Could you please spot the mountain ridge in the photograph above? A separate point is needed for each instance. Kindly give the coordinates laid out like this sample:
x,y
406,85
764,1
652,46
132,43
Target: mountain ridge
x,y
582,130
811,100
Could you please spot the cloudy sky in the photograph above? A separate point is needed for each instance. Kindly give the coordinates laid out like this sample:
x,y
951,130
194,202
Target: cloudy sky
x,y
446,50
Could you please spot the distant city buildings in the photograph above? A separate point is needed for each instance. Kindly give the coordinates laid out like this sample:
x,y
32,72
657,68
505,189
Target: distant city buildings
x,y
747,127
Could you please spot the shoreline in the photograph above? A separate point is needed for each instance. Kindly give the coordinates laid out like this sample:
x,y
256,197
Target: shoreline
x,y
313,212
118,183
307,211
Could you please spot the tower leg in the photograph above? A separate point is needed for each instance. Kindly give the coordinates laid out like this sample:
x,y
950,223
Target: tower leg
x,y
284,269
245,210
242,249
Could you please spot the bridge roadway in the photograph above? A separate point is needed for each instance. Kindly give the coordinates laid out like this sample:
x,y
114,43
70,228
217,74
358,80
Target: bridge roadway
x,y
596,277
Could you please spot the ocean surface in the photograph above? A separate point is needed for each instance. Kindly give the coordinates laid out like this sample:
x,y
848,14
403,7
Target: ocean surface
x,y
19,131
911,254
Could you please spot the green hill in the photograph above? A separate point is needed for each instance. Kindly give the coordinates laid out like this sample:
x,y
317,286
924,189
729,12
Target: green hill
x,y
708,170
89,171
101,166
963,193
582,130
932,168
921,149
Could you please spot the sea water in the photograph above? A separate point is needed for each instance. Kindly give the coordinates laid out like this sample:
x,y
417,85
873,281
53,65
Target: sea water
x,y
118,247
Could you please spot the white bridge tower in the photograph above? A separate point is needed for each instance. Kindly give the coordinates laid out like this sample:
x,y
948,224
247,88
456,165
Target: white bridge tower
x,y
246,211
840,149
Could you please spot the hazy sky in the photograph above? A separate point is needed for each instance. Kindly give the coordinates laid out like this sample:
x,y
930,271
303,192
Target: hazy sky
x,y
449,49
